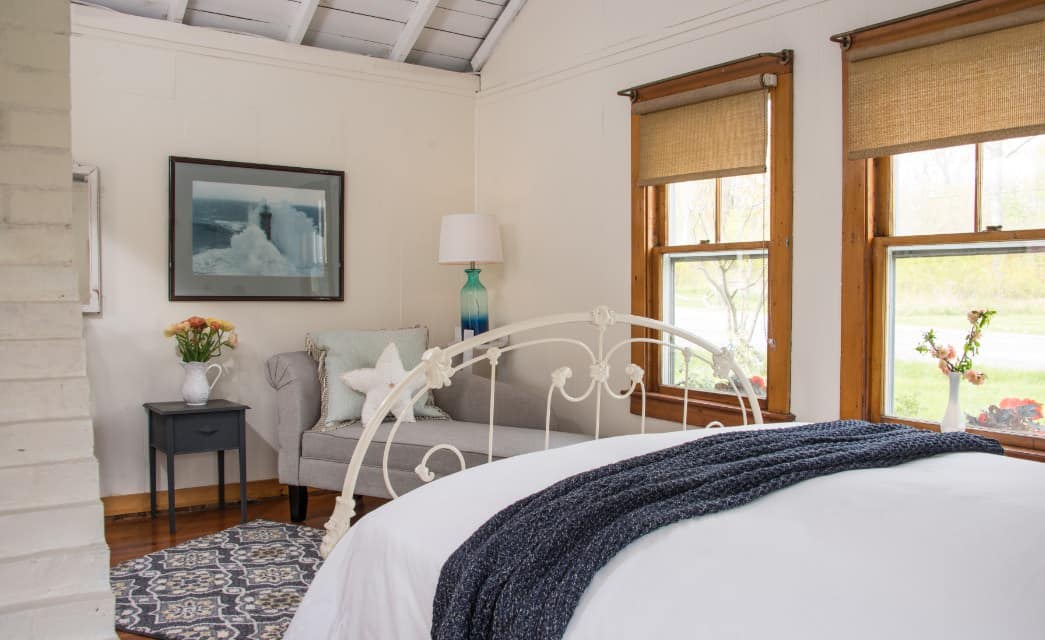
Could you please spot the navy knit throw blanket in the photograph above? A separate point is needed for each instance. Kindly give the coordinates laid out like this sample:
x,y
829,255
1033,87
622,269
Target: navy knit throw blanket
x,y
521,575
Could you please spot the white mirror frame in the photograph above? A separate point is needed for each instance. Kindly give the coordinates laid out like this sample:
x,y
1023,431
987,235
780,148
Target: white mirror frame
x,y
89,174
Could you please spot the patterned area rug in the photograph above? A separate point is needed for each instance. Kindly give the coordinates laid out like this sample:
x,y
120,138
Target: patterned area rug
x,y
241,583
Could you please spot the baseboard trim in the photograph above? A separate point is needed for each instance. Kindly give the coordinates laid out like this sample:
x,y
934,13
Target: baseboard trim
x,y
137,503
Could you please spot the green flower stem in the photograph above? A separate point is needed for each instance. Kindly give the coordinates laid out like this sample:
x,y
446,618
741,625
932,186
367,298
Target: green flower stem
x,y
200,345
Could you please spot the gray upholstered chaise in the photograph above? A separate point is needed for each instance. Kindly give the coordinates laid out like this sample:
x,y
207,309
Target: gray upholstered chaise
x,y
310,458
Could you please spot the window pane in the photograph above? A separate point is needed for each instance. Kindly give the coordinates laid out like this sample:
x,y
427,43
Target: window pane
x,y
720,297
934,290
1013,183
691,212
744,208
934,191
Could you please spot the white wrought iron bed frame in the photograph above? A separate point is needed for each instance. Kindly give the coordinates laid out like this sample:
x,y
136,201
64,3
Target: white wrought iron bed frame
x,y
437,369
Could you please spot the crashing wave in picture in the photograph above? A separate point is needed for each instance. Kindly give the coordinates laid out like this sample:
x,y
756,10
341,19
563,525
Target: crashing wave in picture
x,y
253,230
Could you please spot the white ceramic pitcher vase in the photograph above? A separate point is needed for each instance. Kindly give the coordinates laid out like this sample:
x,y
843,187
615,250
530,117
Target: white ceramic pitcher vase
x,y
195,389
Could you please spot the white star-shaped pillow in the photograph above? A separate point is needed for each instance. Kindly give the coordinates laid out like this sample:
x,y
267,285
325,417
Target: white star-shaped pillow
x,y
378,382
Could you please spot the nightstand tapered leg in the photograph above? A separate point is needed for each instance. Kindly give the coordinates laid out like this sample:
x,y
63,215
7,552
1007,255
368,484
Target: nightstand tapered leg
x,y
242,468
170,492
152,481
221,479
170,474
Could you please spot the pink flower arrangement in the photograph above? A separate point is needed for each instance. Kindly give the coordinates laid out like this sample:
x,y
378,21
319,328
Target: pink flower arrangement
x,y
947,355
976,377
944,353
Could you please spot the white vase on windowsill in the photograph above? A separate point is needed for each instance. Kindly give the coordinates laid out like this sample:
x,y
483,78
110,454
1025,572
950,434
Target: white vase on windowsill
x,y
953,418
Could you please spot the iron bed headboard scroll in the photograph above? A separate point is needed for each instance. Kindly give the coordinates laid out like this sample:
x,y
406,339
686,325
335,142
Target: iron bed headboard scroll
x,y
437,370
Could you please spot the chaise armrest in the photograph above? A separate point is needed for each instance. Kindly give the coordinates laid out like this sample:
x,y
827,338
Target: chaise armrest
x,y
467,399
295,378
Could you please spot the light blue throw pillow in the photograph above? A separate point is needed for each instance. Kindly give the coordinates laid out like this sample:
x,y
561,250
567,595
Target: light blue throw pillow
x,y
341,351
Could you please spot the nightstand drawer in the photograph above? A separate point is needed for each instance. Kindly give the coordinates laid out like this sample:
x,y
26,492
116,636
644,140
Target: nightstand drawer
x,y
206,432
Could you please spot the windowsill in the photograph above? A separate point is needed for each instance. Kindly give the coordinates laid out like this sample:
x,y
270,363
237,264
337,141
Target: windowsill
x,y
910,422
669,407
1017,444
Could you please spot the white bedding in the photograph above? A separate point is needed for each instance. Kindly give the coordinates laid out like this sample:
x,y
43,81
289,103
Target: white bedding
x,y
947,547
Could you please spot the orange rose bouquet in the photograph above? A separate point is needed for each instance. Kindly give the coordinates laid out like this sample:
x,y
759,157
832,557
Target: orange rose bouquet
x,y
200,339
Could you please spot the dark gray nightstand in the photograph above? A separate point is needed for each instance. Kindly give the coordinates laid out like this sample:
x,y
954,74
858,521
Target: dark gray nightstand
x,y
175,427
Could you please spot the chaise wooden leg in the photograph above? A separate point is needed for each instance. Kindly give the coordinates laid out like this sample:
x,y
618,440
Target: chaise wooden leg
x,y
298,503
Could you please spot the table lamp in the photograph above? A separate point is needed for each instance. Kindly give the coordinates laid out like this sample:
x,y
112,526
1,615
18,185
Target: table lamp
x,y
471,238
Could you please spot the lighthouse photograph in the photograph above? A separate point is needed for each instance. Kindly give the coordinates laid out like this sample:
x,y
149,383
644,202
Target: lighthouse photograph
x,y
249,231
253,230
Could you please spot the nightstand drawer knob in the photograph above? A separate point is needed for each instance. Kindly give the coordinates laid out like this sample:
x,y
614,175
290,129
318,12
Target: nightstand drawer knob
x,y
207,432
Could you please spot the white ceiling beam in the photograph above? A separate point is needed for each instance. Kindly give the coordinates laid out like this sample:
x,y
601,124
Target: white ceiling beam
x,y
412,30
482,54
301,21
176,10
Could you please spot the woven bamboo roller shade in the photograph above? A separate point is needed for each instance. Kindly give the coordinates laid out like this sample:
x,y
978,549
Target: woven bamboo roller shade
x,y
725,136
975,89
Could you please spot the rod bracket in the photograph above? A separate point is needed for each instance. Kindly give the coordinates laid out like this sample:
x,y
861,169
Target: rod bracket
x,y
630,94
844,40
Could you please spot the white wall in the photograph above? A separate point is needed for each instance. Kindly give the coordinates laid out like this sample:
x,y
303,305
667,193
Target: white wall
x,y
553,153
146,89
54,563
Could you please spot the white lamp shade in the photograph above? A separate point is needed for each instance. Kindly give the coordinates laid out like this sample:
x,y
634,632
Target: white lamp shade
x,y
469,237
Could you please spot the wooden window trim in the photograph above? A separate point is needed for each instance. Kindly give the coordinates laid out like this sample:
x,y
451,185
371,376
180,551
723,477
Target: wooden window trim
x,y
649,240
866,214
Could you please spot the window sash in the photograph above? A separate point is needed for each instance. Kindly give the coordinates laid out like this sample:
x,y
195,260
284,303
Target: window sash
x,y
669,259
656,199
883,249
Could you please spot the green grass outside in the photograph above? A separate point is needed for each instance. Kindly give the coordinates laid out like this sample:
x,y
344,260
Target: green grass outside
x,y
921,391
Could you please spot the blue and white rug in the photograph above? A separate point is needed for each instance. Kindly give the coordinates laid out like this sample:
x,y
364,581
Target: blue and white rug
x,y
241,583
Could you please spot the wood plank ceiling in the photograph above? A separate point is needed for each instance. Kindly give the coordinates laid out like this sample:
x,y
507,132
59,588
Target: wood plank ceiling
x,y
456,35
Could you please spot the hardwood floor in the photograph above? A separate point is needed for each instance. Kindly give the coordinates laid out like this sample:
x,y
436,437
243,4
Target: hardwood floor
x,y
132,537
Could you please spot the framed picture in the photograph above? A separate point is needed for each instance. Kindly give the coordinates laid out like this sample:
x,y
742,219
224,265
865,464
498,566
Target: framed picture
x,y
243,231
88,237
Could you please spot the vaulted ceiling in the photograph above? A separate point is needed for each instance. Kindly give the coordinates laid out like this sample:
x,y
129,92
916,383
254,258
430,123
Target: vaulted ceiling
x,y
457,35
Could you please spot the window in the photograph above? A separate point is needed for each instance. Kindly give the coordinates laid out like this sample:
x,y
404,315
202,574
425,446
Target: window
x,y
717,288
949,252
943,208
711,232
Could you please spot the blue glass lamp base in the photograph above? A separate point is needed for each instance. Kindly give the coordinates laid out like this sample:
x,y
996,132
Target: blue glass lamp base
x,y
474,304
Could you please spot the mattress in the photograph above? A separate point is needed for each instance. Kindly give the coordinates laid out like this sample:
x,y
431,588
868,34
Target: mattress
x,y
943,547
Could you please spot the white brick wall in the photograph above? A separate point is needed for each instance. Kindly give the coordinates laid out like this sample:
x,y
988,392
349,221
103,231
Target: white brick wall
x,y
20,443
53,583
29,320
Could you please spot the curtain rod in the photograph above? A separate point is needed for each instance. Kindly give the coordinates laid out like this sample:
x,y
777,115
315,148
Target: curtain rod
x,y
784,55
845,39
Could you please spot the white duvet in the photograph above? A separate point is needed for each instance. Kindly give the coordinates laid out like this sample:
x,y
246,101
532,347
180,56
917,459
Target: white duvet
x,y
947,547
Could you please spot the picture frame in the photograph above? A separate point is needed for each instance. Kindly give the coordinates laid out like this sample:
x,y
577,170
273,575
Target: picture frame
x,y
255,232
86,231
